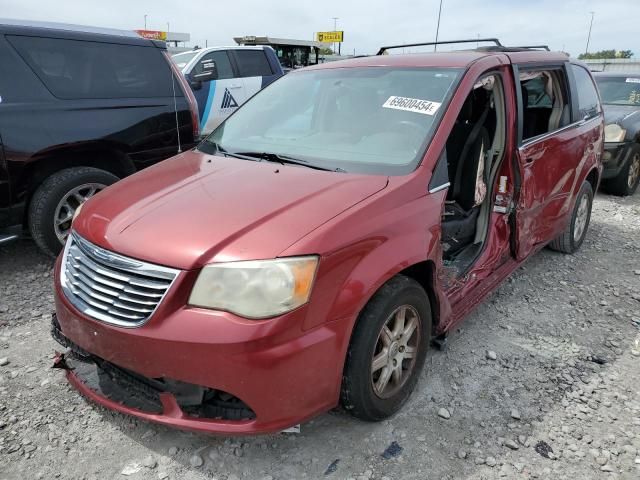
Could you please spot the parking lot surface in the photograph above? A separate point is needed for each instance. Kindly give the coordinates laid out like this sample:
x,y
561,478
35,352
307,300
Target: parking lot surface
x,y
541,381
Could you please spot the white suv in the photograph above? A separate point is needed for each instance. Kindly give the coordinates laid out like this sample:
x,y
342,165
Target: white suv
x,y
223,78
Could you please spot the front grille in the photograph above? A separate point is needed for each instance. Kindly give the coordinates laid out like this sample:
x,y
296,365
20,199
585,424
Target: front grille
x,y
110,287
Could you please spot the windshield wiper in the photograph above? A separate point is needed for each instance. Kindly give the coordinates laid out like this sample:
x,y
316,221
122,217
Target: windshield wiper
x,y
223,151
285,159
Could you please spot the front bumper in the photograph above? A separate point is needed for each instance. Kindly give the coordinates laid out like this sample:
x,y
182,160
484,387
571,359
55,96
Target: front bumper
x,y
614,158
283,374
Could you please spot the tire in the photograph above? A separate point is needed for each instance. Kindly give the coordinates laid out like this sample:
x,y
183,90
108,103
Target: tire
x,y
626,183
359,396
573,236
47,201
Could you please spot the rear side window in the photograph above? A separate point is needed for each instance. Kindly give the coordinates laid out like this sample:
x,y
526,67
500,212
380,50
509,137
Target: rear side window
x,y
73,69
253,63
545,103
219,59
588,101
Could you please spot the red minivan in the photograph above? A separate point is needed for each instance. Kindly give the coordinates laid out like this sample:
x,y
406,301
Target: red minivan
x,y
310,250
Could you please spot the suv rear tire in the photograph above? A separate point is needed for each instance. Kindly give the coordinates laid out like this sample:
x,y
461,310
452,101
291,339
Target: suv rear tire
x,y
575,232
401,304
626,183
54,202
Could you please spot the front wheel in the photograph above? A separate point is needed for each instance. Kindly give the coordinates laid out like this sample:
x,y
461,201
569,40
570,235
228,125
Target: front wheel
x,y
626,183
575,232
387,350
53,204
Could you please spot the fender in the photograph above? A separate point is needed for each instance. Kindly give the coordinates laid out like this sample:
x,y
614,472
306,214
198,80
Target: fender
x,y
366,249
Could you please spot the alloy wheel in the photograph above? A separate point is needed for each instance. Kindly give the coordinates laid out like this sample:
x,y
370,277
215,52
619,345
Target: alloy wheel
x,y
67,206
395,353
582,215
634,171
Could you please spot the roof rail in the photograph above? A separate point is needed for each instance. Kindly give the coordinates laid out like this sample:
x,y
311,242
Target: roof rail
x,y
534,47
469,40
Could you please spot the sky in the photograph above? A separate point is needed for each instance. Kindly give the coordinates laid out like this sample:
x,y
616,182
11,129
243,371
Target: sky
x,y
368,24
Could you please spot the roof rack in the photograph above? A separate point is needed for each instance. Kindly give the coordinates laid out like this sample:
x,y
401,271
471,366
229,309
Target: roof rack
x,y
498,47
534,47
468,40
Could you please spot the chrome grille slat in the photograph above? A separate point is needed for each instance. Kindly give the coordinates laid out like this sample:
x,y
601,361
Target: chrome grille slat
x,y
94,276
81,277
127,298
142,294
90,301
148,284
128,317
110,287
88,291
122,306
88,263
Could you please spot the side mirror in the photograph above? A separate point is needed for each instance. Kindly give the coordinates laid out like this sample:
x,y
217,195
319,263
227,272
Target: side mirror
x,y
205,71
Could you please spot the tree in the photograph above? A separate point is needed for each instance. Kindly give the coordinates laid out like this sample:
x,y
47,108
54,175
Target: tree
x,y
326,51
624,54
606,54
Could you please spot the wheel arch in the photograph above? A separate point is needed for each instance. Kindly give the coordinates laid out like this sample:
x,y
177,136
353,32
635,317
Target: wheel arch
x,y
103,155
422,271
593,177
425,274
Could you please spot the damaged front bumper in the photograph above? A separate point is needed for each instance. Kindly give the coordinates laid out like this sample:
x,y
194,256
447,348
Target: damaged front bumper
x,y
122,389
204,370
614,158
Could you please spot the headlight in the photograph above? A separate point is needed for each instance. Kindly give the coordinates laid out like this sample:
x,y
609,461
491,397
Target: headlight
x,y
255,289
77,212
614,133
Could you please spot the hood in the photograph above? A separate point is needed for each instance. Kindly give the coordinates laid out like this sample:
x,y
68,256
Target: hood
x,y
197,208
623,115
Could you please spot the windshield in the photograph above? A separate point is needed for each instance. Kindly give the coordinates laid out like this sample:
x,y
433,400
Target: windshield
x,y
366,120
619,90
182,59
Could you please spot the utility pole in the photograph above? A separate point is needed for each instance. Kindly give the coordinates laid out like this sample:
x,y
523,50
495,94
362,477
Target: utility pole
x,y
435,47
145,21
586,50
335,27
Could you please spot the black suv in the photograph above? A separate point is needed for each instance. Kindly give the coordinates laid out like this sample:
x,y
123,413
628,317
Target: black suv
x,y
80,108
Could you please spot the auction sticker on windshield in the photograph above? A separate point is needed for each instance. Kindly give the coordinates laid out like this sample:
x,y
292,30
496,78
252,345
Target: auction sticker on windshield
x,y
412,105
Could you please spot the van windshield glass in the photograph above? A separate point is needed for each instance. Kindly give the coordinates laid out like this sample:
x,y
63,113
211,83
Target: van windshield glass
x,y
619,90
374,120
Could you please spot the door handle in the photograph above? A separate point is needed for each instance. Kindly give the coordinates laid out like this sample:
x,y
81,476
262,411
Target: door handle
x,y
235,86
528,160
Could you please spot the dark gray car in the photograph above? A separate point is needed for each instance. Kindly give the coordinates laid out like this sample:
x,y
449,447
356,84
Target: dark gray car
x,y
620,93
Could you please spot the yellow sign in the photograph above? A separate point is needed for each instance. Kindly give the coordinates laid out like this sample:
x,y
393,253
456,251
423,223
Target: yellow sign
x,y
330,37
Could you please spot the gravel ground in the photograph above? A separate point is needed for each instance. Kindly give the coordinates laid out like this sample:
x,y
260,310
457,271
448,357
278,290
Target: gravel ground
x,y
541,381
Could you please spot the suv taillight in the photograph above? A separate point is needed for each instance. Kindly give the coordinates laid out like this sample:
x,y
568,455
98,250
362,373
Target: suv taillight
x,y
186,89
